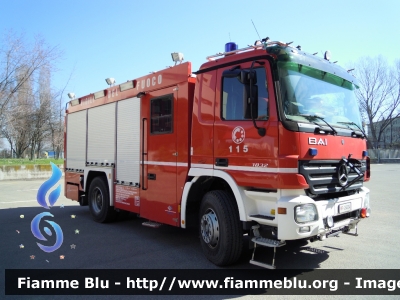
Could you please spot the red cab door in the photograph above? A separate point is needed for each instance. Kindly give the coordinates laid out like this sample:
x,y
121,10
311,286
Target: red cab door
x,y
239,149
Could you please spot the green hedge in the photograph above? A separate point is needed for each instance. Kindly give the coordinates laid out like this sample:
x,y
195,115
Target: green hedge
x,y
20,161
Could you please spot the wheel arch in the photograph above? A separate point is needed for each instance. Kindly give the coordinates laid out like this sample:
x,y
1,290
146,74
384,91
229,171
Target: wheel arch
x,y
203,181
91,174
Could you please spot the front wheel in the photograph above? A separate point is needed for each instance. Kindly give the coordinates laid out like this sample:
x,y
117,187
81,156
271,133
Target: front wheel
x,y
99,201
221,232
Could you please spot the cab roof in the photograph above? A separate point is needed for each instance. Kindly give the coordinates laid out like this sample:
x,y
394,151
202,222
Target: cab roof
x,y
277,52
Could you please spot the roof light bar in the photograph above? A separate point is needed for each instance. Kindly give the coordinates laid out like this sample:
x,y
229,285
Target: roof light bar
x,y
127,85
74,102
264,44
99,94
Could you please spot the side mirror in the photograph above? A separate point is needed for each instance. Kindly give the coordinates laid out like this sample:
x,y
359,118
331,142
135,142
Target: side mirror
x,y
250,102
251,77
248,77
243,76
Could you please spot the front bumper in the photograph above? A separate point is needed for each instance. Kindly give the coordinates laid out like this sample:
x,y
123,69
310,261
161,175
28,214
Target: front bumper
x,y
334,216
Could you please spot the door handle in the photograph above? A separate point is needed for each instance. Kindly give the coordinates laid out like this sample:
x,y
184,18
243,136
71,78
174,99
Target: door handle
x,y
221,162
151,176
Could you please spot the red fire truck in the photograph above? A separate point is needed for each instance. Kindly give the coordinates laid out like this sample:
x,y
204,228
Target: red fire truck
x,y
265,140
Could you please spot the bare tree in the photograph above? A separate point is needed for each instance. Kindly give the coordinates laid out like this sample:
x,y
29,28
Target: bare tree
x,y
57,136
19,61
378,95
18,117
25,93
57,124
41,117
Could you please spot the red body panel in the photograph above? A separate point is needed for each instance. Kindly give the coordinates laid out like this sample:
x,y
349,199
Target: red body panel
x,y
72,185
165,155
328,146
203,120
72,192
158,195
73,178
127,198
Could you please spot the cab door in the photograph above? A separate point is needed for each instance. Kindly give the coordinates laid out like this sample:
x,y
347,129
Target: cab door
x,y
239,149
159,157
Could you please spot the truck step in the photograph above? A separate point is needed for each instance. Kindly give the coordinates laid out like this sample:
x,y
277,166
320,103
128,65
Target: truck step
x,y
267,242
151,224
262,265
259,240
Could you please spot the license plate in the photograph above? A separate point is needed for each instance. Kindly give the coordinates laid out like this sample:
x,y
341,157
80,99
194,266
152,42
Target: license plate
x,y
344,208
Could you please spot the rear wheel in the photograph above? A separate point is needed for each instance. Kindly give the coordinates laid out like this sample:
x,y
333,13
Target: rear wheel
x,y
99,201
221,232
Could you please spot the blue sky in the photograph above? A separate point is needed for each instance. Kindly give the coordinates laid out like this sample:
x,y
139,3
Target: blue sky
x,y
128,39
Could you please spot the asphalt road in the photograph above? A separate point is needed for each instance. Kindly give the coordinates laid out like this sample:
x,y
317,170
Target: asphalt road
x,y
126,244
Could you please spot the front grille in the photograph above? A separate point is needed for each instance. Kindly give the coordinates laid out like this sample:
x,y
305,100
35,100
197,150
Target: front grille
x,y
322,177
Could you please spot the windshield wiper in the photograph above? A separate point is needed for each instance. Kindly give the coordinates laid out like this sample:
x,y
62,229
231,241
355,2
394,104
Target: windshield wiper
x,y
312,118
352,123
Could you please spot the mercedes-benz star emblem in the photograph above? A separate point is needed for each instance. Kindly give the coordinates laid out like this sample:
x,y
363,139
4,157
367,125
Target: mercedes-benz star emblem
x,y
342,174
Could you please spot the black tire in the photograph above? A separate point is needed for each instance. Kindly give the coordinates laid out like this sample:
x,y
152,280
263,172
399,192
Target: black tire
x,y
99,201
221,233
83,201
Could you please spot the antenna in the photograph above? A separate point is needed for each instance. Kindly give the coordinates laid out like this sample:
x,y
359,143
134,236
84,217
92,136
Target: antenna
x,y
230,37
256,29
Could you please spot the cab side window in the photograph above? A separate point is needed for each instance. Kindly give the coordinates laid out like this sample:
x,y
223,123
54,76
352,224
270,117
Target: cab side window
x,y
263,100
232,99
233,92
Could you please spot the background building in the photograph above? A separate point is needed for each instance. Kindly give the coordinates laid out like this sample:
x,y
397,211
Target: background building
x,y
390,137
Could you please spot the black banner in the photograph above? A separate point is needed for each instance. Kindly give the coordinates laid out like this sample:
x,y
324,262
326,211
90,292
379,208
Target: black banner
x,y
201,282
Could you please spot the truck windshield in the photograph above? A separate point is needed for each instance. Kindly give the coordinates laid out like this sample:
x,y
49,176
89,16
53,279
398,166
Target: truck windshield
x,y
310,92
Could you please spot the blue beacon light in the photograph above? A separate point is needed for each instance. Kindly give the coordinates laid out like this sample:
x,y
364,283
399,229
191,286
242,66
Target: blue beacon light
x,y
231,47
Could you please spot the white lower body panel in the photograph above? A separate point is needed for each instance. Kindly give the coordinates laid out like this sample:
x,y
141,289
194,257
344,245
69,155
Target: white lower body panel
x,y
263,208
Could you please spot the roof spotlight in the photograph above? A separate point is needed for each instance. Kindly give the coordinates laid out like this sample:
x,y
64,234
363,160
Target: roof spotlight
x,y
110,81
327,55
71,96
177,56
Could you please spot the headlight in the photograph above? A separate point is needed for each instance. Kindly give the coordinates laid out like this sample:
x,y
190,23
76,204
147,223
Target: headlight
x,y
305,213
366,201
